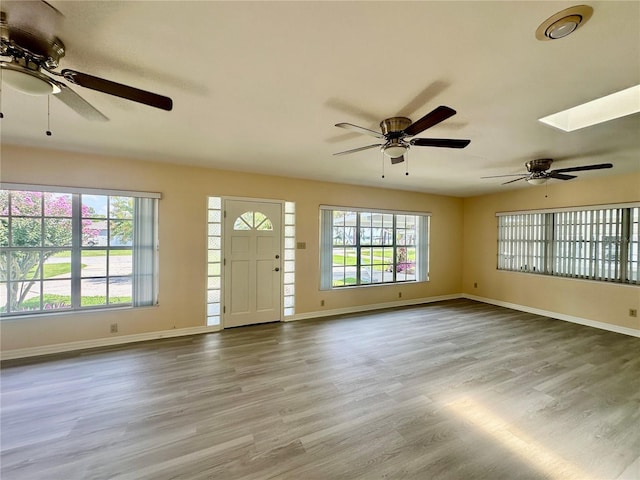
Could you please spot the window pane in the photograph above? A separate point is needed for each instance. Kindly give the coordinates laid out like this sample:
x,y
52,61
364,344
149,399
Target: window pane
x,y
121,207
57,265
4,202
26,204
365,275
213,282
23,296
26,232
4,231
120,290
93,292
57,205
25,265
56,295
57,232
120,262
338,256
94,206
94,233
3,297
94,263
121,233
338,276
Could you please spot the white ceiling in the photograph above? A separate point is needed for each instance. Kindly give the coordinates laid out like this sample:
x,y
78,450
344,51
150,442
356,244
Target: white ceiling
x,y
258,86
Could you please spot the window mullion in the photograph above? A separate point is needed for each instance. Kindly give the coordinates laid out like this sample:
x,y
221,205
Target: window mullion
x,y
623,257
358,247
76,253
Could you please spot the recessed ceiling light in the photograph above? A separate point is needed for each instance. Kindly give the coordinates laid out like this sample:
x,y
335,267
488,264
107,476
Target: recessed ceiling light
x,y
618,104
564,23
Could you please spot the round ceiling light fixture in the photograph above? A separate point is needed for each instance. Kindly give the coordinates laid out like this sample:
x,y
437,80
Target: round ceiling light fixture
x,y
537,180
28,81
564,22
394,148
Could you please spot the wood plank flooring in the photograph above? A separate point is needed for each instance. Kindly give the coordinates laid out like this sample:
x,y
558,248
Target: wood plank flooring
x,y
450,390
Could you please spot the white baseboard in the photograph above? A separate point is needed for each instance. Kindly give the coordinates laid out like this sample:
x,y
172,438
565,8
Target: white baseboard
x,y
367,308
141,337
102,342
558,316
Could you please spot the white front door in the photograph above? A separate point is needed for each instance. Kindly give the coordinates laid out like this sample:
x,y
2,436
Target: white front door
x,y
252,258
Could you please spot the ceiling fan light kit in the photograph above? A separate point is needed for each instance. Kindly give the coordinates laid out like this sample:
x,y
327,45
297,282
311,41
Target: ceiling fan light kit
x,y
564,23
30,82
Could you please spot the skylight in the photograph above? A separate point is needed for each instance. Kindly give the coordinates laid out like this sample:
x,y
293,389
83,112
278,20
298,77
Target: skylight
x,y
618,104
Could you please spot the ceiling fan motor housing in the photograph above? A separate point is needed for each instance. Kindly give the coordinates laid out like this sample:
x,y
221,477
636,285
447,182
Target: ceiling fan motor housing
x,y
539,165
394,126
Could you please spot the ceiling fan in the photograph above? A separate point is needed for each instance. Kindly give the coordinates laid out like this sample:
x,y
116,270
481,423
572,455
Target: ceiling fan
x,y
32,52
395,132
538,171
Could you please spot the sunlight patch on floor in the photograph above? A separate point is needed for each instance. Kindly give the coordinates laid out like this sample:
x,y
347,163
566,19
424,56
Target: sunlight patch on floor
x,y
509,436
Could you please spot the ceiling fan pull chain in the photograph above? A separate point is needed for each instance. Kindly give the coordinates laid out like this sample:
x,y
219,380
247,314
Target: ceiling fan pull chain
x,y
406,163
48,115
382,156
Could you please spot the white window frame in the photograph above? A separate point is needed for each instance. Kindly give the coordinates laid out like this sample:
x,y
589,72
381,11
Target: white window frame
x,y
327,245
598,242
144,275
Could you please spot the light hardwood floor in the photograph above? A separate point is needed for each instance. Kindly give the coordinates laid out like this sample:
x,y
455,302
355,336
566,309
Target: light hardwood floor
x,y
450,390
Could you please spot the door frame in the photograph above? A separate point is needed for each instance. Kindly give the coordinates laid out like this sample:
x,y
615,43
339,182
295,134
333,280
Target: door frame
x,y
223,292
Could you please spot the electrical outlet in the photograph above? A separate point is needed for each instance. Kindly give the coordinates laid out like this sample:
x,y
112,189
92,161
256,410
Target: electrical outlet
x,y
475,284
322,303
633,312
399,294
114,328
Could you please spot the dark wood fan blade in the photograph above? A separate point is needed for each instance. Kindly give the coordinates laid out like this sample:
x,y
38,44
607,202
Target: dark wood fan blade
x,y
356,128
440,142
346,152
560,176
397,160
429,120
118,89
599,166
74,101
515,180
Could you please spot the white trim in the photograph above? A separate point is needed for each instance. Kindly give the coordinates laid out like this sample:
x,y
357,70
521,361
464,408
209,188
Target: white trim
x,y
373,210
367,308
141,337
84,191
103,342
558,316
570,209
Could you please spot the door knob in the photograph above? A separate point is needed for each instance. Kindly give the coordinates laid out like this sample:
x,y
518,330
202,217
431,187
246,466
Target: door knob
x,y
277,269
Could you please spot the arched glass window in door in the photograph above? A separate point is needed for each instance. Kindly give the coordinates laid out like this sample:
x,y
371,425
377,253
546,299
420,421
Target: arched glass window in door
x,y
252,221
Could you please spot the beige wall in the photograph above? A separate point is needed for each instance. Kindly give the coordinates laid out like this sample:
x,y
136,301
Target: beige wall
x,y
590,300
183,239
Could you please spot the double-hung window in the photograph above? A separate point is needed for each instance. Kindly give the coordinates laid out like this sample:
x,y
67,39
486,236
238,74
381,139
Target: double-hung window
x,y
65,249
595,243
365,247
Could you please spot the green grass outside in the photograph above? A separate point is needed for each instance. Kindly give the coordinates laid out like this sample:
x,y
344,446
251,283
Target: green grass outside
x,y
53,269
64,301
